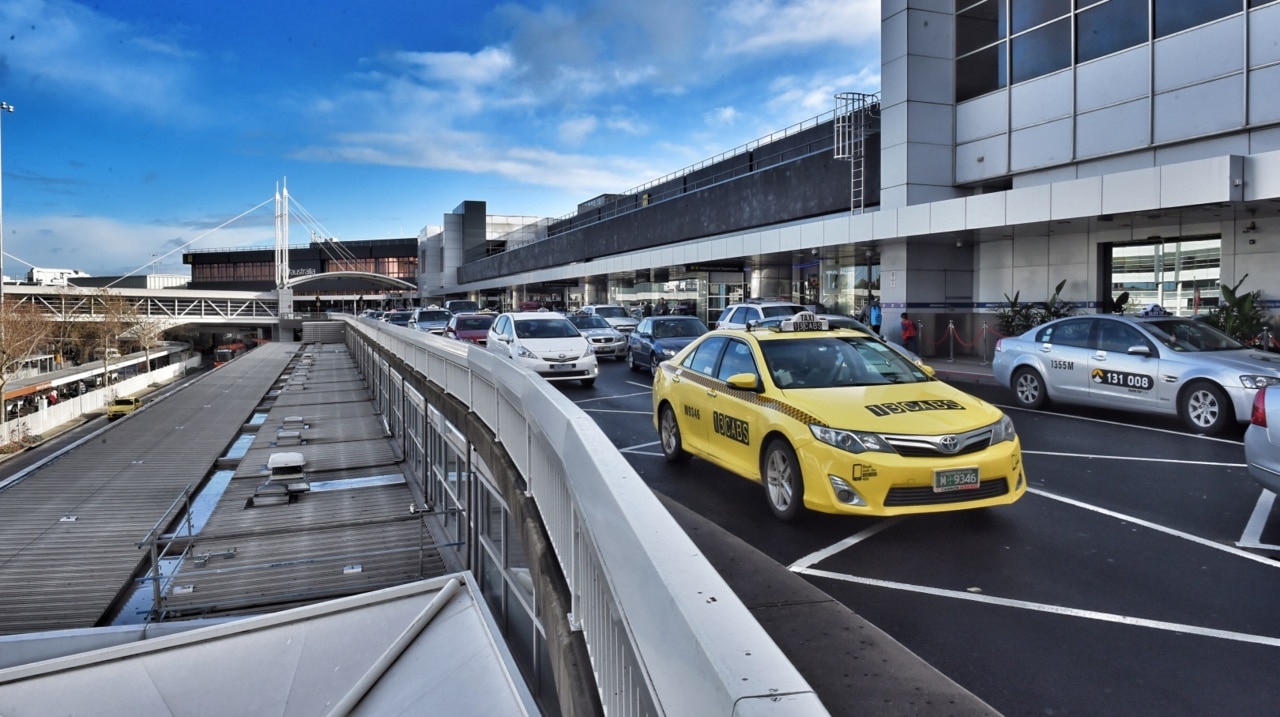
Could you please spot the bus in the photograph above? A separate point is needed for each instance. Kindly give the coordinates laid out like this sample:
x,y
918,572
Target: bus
x,y
226,352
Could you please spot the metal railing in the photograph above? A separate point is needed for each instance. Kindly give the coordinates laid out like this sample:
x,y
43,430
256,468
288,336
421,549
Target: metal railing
x,y
638,585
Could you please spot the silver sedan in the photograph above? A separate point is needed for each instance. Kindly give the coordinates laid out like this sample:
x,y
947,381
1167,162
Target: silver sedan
x,y
1262,440
1168,365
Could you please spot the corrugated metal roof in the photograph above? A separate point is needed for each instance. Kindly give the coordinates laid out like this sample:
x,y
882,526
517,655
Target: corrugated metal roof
x,y
68,531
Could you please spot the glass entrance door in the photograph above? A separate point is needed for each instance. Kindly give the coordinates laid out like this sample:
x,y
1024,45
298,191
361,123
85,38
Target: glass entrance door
x,y
1180,275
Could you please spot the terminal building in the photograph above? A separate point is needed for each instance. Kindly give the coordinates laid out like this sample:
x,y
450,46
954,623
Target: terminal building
x,y
1118,146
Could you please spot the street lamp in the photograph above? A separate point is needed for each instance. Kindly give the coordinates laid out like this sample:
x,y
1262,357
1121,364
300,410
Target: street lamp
x,y
4,107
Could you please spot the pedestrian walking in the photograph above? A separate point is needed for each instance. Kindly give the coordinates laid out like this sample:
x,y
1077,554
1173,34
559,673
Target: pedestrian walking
x,y
909,336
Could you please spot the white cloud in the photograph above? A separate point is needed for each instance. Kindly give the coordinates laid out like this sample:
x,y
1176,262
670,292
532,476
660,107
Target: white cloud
x,y
106,246
576,130
72,50
779,26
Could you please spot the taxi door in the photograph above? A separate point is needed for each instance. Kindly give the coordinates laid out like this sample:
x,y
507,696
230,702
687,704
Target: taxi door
x,y
735,422
691,391
1063,355
1119,379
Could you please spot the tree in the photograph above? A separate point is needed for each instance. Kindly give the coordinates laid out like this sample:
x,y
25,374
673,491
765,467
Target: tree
x,y
1017,318
23,332
113,315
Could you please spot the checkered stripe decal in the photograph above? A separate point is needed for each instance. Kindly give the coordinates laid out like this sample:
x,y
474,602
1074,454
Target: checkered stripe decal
x,y
748,396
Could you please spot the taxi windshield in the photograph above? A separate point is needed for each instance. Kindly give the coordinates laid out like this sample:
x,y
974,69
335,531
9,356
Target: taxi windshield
x,y
1191,336
831,361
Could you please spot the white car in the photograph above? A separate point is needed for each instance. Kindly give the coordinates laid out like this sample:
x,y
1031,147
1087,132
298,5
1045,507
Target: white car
x,y
738,316
617,316
1262,439
546,343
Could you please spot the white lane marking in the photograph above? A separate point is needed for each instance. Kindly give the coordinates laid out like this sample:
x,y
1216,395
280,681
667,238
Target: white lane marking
x,y
1104,421
636,448
852,540
609,398
1258,521
1133,458
613,410
1054,609
1158,528
647,386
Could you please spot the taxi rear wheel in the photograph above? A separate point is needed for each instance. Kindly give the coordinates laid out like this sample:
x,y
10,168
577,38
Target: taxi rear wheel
x,y
783,483
669,432
1028,388
1205,408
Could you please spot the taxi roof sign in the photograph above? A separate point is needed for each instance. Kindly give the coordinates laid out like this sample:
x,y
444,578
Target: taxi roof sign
x,y
804,321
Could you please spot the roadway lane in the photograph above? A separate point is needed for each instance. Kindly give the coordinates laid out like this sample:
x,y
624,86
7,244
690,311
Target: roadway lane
x,y
1115,587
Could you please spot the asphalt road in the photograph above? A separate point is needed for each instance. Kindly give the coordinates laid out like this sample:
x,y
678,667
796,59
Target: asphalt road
x,y
1136,577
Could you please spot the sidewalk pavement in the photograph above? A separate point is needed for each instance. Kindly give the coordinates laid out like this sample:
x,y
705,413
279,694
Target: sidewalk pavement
x,y
963,367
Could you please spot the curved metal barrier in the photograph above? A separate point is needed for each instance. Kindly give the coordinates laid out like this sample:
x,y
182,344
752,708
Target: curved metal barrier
x,y
664,632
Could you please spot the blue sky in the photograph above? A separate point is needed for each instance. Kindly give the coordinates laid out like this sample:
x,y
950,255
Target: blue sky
x,y
143,126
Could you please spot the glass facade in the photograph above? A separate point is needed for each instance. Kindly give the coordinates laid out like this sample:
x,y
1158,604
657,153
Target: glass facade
x,y
1181,275
999,42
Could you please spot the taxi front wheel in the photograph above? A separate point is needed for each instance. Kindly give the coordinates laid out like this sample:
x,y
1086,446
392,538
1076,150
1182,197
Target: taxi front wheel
x,y
669,433
1205,408
783,482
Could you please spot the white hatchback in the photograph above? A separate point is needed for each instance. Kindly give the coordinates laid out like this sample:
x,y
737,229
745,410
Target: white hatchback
x,y
546,343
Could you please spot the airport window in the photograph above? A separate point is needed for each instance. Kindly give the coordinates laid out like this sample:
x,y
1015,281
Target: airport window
x,y
980,73
1041,51
1110,27
979,26
1177,15
1026,14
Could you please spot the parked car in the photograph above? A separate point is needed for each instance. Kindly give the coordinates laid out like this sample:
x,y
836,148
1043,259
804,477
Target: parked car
x,y
461,306
658,338
606,340
737,316
835,421
399,317
432,319
470,327
544,342
121,407
1157,364
617,316
1262,439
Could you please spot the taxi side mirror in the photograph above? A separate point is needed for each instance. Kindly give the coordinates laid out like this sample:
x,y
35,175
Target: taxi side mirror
x,y
744,382
927,369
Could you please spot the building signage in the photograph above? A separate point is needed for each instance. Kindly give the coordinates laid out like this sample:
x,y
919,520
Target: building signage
x,y
713,267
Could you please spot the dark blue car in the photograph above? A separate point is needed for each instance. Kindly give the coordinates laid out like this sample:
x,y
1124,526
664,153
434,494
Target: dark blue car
x,y
658,338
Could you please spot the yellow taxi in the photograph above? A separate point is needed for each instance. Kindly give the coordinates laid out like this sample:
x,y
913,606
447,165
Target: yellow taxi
x,y
834,421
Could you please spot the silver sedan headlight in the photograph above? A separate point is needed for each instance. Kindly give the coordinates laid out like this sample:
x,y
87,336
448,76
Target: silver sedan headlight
x,y
851,441
1259,381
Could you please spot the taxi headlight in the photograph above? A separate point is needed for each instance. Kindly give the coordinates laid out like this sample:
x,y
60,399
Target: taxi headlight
x,y
1003,431
852,441
1259,381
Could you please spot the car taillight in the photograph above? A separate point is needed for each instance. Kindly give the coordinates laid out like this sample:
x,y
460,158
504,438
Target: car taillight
x,y
1258,416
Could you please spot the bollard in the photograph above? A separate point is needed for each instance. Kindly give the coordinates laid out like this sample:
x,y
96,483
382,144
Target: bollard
x,y
984,343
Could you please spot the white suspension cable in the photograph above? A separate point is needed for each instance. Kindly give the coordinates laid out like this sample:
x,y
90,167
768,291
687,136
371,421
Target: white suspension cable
x,y
193,241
